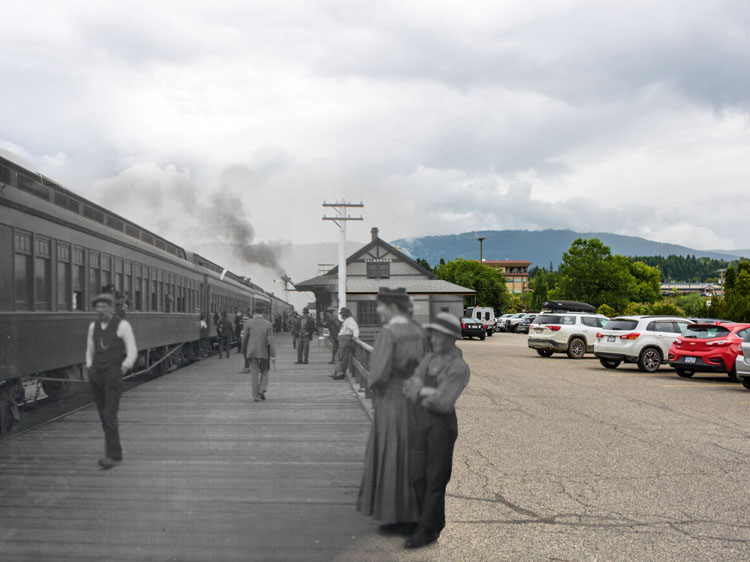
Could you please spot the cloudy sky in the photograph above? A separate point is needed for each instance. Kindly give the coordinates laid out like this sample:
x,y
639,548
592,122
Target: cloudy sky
x,y
442,117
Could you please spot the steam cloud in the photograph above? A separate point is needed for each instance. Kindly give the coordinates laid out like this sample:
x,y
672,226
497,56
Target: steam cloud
x,y
168,202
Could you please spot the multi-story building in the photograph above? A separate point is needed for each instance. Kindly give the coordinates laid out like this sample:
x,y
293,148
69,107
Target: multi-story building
x,y
516,273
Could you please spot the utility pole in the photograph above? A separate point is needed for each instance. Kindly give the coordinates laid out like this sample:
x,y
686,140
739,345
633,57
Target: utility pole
x,y
481,240
341,219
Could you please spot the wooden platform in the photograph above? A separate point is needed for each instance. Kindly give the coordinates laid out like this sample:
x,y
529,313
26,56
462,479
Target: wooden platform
x,y
209,475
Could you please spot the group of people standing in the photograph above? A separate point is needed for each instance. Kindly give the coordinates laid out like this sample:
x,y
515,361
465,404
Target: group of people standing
x,y
416,375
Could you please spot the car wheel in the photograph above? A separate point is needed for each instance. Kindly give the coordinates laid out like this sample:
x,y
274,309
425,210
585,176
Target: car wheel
x,y
746,383
489,333
684,373
610,363
650,360
576,348
733,374
482,337
544,352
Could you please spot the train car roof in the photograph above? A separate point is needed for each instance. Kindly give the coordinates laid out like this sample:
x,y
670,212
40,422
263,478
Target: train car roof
x,y
46,189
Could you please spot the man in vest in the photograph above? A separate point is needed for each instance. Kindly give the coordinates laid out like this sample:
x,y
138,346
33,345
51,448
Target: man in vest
x,y
306,330
110,353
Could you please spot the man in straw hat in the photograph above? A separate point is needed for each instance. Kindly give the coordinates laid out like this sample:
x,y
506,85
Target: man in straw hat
x,y
438,381
110,353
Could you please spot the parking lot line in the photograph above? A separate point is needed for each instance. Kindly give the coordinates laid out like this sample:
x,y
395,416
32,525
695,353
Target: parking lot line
x,y
696,385
636,374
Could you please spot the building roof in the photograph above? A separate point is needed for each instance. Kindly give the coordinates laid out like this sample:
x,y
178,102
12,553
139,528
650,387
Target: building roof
x,y
506,262
360,285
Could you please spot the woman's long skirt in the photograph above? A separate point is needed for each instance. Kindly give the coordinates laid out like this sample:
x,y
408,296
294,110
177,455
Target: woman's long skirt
x,y
387,492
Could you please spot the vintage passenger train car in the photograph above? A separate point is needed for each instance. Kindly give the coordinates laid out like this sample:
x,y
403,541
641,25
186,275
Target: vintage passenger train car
x,y
57,250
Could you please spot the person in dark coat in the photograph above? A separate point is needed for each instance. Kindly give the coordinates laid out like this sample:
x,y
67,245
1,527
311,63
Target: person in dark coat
x,y
226,332
304,335
110,353
334,325
238,329
439,380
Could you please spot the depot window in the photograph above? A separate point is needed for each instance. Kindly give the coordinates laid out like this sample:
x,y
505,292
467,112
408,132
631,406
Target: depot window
x,y
367,314
378,269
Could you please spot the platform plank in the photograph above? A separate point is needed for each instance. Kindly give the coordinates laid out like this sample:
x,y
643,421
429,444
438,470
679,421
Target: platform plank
x,y
209,475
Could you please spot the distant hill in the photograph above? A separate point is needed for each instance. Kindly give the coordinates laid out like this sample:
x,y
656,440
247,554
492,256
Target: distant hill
x,y
540,247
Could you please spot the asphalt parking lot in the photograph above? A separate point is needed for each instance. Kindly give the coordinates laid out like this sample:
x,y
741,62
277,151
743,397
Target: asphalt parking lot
x,y
560,459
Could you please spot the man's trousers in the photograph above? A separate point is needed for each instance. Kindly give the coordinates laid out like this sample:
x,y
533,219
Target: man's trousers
x,y
106,388
303,348
433,438
258,375
344,359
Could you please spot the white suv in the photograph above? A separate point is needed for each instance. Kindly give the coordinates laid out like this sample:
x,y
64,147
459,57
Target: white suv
x,y
638,339
573,333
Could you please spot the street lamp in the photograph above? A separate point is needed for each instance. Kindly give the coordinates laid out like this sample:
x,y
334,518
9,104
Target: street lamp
x,y
481,239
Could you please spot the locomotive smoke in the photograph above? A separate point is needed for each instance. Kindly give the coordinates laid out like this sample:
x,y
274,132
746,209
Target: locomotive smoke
x,y
228,215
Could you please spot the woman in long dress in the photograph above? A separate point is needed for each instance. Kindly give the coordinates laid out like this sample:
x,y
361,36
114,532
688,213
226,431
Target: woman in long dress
x,y
387,492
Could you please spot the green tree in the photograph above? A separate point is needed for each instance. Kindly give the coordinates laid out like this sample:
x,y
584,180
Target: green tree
x,y
486,281
730,278
424,263
515,304
742,286
693,304
541,285
591,274
607,310
648,282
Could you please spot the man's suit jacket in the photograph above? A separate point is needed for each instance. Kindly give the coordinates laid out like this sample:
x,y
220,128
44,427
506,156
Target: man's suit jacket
x,y
257,340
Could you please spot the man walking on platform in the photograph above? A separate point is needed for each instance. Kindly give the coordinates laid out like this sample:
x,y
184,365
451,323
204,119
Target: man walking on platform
x,y
257,341
110,353
306,330
226,332
238,329
348,331
334,325
438,381
294,328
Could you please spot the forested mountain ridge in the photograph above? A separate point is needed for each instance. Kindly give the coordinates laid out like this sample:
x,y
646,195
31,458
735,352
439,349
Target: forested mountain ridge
x,y
542,247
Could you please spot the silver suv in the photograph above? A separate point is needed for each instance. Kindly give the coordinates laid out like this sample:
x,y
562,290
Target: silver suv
x,y
644,340
573,333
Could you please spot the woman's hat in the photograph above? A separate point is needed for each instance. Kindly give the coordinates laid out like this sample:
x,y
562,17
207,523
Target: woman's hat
x,y
446,323
393,296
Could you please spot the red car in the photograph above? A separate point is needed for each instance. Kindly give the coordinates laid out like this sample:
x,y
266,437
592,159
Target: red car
x,y
708,348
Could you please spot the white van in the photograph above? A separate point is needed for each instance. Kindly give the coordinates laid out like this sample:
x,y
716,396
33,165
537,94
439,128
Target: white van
x,y
484,313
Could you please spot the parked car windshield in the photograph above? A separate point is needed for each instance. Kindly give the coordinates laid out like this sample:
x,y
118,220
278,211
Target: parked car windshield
x,y
622,324
470,321
705,331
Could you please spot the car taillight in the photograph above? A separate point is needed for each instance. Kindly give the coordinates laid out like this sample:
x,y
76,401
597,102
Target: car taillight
x,y
677,342
599,335
554,328
720,343
739,350
630,336
463,326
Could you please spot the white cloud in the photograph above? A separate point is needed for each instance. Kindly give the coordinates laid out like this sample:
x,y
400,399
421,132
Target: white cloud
x,y
441,116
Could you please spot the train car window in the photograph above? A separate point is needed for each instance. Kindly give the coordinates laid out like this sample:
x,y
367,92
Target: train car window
x,y
42,274
77,279
132,231
22,268
64,295
94,274
119,276
106,280
154,296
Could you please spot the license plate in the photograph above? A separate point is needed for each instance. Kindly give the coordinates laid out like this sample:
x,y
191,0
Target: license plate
x,y
610,338
689,359
538,330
